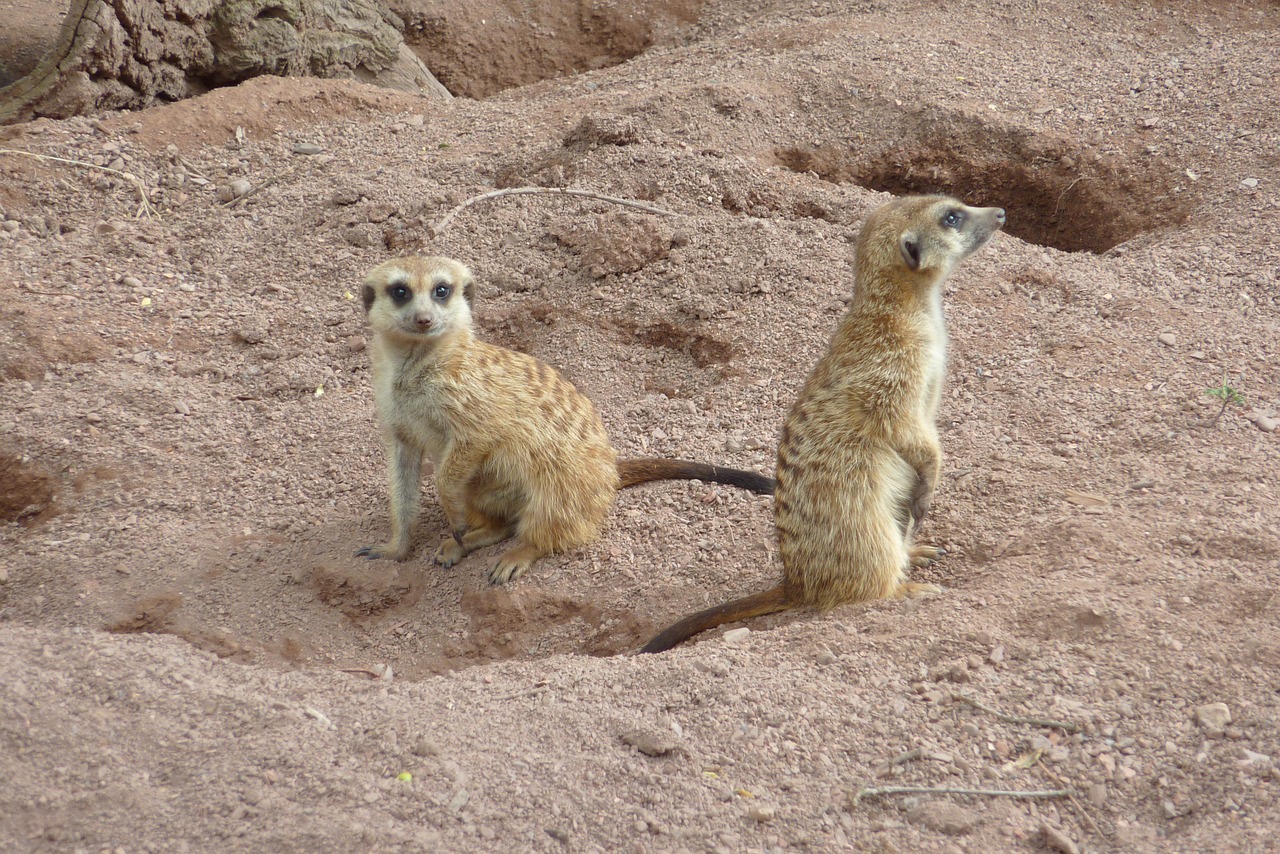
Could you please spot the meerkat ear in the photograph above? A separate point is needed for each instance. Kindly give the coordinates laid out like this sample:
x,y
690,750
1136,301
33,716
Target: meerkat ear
x,y
909,246
468,287
367,296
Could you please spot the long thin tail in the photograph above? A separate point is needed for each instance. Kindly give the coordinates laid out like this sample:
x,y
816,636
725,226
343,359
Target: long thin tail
x,y
645,469
756,605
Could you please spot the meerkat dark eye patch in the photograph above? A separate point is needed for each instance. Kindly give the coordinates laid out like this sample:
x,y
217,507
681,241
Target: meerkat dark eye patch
x,y
400,294
909,246
953,219
441,292
367,296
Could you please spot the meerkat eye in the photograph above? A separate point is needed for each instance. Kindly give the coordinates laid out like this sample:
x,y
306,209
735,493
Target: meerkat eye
x,y
399,294
953,219
442,291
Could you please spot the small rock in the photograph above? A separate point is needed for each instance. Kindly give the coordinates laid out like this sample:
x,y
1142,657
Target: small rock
x,y
234,190
824,655
307,148
733,444
424,746
252,332
649,743
356,343
1056,840
1263,422
1249,183
1098,794
736,636
944,817
1213,718
344,196
761,813
181,407
131,282
1170,809
104,228
1255,758
4,574
1168,339
10,226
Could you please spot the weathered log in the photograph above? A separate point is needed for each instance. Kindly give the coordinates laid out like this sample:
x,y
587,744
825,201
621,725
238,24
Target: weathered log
x,y
128,54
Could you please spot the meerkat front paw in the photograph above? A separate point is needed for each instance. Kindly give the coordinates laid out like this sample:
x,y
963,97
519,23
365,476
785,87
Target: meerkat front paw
x,y
450,551
386,550
917,590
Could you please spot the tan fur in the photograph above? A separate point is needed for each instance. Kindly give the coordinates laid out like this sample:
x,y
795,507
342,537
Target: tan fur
x,y
859,458
517,450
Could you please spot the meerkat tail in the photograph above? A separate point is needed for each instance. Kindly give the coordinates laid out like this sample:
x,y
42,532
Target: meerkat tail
x,y
646,469
756,605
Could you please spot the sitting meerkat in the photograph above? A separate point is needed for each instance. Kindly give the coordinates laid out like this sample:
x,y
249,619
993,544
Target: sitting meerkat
x,y
517,450
859,458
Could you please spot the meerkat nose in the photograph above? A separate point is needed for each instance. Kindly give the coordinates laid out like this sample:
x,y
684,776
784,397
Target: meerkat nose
x,y
1000,215
423,321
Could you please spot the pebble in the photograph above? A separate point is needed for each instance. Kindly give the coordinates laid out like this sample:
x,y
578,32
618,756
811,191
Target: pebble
x,y
181,407
1249,183
234,190
1265,423
4,574
131,282
356,343
944,817
252,333
1056,840
736,636
344,196
424,747
1098,794
1168,339
649,743
307,148
761,813
1213,718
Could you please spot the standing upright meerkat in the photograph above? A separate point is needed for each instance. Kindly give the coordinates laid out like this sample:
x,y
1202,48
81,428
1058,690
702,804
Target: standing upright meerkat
x,y
859,458
517,450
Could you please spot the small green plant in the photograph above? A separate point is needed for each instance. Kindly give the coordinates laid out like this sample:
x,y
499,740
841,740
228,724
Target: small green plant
x,y
1228,395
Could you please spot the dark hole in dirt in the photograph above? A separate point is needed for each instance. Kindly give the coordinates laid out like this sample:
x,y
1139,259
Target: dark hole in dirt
x,y
1050,201
478,50
703,349
26,490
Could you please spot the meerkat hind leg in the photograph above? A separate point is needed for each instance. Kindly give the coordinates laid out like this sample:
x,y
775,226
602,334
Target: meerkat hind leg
x,y
924,555
482,530
513,562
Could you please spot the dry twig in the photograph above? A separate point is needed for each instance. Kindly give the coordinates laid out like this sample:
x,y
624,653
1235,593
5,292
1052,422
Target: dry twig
x,y
137,182
1062,725
877,791
554,191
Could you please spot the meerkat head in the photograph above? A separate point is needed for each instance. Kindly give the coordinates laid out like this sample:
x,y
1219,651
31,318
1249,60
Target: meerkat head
x,y
925,235
418,299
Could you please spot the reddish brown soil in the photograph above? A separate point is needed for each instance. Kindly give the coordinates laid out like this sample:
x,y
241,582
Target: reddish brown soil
x,y
191,657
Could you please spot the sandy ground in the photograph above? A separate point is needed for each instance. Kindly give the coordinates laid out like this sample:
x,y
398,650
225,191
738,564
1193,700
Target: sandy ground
x,y
192,659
